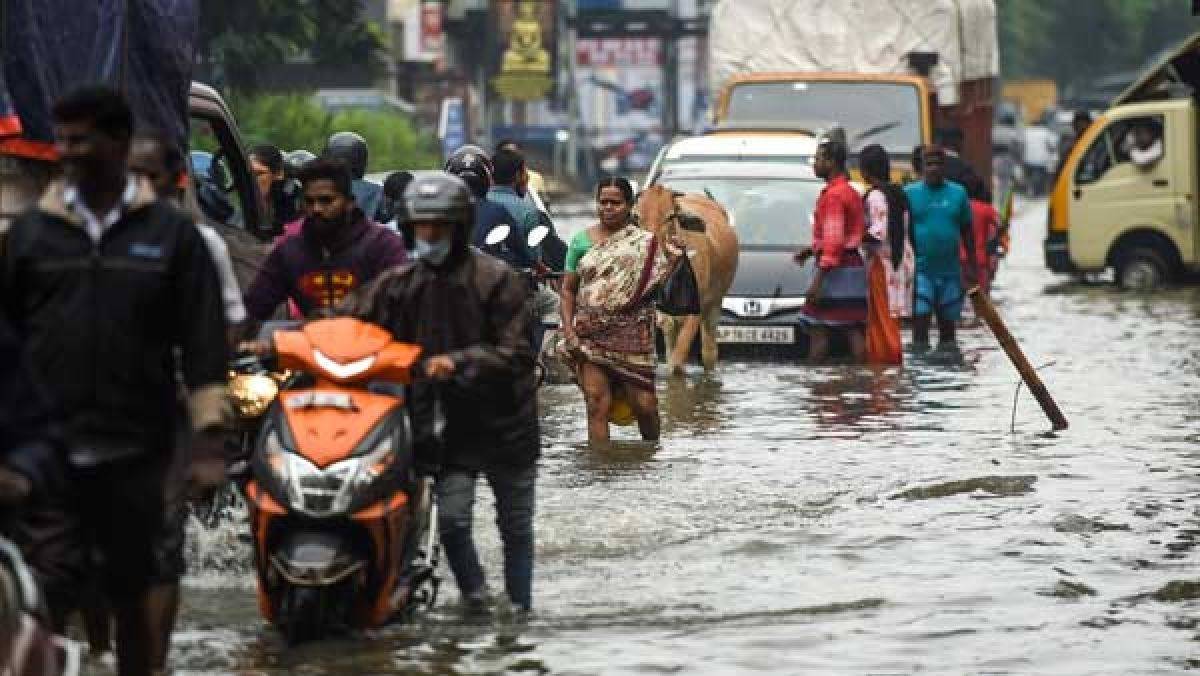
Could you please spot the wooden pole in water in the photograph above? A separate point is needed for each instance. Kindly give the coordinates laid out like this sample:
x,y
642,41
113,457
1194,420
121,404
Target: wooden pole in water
x,y
987,312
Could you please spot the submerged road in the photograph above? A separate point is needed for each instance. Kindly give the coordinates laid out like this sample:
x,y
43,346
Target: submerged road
x,y
838,520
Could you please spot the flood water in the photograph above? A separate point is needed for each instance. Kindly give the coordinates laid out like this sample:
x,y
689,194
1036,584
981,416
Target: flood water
x,y
829,520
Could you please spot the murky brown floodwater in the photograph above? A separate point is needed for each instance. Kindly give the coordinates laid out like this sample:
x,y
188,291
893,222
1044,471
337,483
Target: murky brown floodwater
x,y
838,520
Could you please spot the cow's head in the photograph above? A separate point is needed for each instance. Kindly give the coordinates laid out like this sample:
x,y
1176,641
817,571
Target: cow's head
x,y
656,209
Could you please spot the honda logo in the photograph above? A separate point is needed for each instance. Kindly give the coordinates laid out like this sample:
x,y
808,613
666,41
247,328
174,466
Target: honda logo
x,y
752,308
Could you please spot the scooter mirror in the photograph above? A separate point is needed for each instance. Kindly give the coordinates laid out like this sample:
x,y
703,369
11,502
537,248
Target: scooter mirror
x,y
536,235
497,234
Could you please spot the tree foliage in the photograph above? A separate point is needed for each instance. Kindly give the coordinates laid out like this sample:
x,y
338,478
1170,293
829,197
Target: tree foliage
x,y
1074,41
240,37
297,121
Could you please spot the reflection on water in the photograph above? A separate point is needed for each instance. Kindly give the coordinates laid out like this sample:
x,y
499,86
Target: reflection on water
x,y
842,519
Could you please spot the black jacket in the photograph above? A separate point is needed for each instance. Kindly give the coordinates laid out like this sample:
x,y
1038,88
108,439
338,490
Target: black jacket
x,y
476,309
103,321
26,434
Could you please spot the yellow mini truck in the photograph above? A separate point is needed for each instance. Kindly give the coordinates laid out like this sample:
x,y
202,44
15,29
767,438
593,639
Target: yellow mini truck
x,y
1126,198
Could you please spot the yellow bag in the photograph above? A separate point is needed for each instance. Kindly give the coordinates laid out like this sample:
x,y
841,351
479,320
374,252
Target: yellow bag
x,y
620,412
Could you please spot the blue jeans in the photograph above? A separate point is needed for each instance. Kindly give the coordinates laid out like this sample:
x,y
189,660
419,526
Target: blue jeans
x,y
514,491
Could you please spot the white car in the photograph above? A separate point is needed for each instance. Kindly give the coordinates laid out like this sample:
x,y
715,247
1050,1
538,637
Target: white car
x,y
725,147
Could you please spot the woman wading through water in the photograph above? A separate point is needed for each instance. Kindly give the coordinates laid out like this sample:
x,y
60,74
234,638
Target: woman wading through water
x,y
613,270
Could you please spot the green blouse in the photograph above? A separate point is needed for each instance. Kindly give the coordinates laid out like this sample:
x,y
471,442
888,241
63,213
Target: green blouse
x,y
580,244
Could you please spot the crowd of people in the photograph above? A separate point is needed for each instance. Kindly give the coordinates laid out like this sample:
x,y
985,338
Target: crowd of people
x,y
120,312
896,253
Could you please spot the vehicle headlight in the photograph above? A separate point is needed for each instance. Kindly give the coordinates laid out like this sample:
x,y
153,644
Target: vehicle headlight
x,y
286,468
252,394
325,492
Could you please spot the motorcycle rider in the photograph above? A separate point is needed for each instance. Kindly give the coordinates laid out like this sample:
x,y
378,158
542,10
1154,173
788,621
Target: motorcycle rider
x,y
393,201
280,194
475,169
351,149
508,190
553,250
335,251
162,163
132,292
470,313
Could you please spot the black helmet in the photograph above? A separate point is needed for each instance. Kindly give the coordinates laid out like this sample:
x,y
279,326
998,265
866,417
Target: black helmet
x,y
298,159
441,198
350,148
470,156
473,169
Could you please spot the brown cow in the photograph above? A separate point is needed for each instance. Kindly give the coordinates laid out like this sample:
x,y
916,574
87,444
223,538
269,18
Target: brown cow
x,y
713,247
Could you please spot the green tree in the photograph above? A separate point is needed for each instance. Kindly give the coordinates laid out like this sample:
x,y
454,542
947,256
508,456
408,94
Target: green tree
x,y
297,121
240,37
1075,41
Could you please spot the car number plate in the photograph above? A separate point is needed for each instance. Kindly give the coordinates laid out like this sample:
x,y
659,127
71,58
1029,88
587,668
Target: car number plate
x,y
773,335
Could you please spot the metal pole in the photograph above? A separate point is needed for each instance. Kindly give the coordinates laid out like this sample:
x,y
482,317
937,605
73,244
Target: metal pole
x,y
572,92
670,45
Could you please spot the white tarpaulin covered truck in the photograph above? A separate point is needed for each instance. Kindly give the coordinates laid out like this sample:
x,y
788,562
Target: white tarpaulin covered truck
x,y
887,72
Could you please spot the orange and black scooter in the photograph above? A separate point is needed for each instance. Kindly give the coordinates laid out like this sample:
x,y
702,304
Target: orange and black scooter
x,y
344,525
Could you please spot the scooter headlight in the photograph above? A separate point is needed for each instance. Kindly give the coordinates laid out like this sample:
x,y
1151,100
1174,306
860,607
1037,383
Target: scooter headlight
x,y
360,472
325,492
287,469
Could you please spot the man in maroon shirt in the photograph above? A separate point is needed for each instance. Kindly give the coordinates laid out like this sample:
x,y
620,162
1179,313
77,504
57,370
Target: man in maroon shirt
x,y
336,251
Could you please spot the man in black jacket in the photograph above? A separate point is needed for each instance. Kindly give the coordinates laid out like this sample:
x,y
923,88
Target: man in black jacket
x,y
105,284
470,313
28,459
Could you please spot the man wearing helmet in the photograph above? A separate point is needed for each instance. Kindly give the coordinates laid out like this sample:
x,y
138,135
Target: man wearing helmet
x,y
470,314
351,149
475,169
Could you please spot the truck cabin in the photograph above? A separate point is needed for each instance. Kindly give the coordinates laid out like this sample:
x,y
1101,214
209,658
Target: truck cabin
x,y
1126,197
891,110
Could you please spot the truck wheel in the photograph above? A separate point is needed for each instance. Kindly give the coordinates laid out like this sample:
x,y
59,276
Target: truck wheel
x,y
1142,268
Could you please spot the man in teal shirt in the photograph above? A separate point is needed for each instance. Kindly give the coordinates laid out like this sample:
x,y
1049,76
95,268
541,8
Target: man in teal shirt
x,y
510,179
941,223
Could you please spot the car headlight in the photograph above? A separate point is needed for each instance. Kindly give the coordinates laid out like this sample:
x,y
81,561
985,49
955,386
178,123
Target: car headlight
x,y
325,492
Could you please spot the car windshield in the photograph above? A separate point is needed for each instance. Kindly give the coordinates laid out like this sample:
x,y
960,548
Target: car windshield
x,y
871,112
768,213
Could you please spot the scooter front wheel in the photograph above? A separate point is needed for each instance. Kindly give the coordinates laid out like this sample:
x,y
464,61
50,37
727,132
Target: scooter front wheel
x,y
306,614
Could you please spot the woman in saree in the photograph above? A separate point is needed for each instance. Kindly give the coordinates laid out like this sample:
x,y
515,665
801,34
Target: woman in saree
x,y
613,270
890,259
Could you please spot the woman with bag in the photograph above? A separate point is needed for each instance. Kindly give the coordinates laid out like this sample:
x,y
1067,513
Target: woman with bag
x,y
891,260
837,299
614,272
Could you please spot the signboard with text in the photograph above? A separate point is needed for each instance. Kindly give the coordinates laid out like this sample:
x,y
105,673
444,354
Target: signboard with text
x,y
620,85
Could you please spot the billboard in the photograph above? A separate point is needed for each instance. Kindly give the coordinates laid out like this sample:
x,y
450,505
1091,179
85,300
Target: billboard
x,y
620,85
525,49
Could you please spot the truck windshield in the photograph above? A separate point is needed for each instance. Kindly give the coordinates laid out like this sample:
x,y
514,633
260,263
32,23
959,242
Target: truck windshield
x,y
871,112
768,213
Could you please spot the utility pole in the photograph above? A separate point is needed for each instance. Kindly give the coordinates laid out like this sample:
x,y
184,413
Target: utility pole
x,y
572,9
670,46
